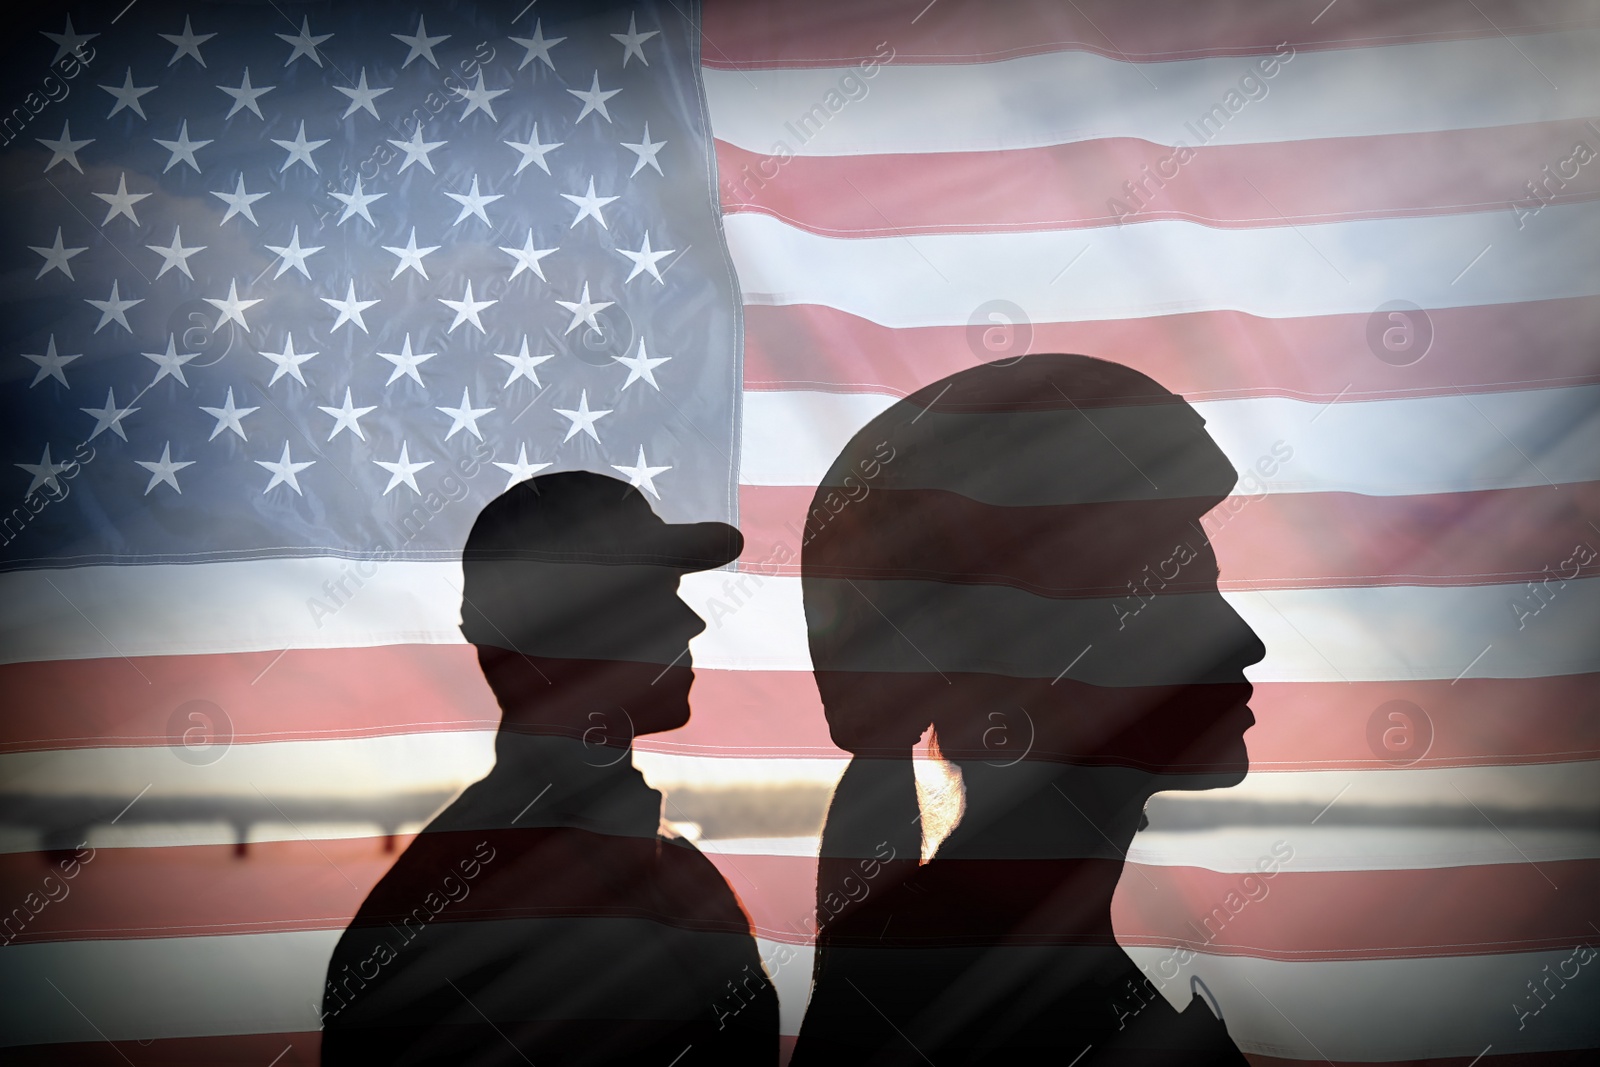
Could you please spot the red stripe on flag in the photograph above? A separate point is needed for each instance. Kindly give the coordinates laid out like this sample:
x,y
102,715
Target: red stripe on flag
x,y
1107,181
1202,355
124,893
767,33
418,689
1283,540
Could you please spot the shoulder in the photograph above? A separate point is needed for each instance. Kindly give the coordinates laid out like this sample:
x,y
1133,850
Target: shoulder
x,y
1193,1036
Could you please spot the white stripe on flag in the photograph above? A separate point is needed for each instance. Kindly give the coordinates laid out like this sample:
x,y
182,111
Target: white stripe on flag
x,y
1370,633
1232,850
221,984
383,766
1168,267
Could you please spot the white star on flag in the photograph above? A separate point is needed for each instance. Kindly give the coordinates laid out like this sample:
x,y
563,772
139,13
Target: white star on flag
x,y
293,255
349,309
245,96
109,417
164,469
232,307
176,254
642,475
467,309
403,471
582,418
533,151
644,260
68,40
473,202
464,417
419,44
584,310
588,205
417,150
632,42
361,97
113,309
303,43
406,364
642,367
284,471
355,202
479,98
121,202
346,417
56,257
186,43
50,365
228,417
538,46
522,364
182,149
527,257
288,361
521,470
64,147
170,363
238,202
44,473
128,95
299,149
594,100
410,256
647,151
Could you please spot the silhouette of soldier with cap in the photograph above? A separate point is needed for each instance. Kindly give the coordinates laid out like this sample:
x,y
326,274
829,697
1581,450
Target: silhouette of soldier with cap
x,y
544,916
1012,557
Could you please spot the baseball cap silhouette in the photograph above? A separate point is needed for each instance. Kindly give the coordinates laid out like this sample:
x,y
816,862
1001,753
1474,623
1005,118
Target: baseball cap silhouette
x,y
573,564
582,517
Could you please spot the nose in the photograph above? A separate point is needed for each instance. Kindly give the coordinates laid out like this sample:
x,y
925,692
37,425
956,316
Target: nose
x,y
693,624
1247,647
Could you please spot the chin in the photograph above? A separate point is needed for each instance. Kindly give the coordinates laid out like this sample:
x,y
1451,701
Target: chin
x,y
670,712
1224,767
1197,781
674,720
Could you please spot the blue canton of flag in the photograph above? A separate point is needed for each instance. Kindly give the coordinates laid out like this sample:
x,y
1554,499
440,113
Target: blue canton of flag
x,y
326,280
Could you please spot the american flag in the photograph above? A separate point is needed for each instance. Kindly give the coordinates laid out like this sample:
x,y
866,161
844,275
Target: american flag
x,y
294,289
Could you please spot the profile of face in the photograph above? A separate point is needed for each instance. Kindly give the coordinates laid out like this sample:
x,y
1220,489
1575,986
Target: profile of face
x,y
1029,575
612,639
571,595
1155,681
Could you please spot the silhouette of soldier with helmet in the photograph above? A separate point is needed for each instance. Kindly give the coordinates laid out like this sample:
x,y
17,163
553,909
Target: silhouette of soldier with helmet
x,y
544,916
1013,557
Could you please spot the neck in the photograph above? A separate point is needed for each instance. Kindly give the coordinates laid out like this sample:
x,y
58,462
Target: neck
x,y
1070,832
1046,811
557,781
602,702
